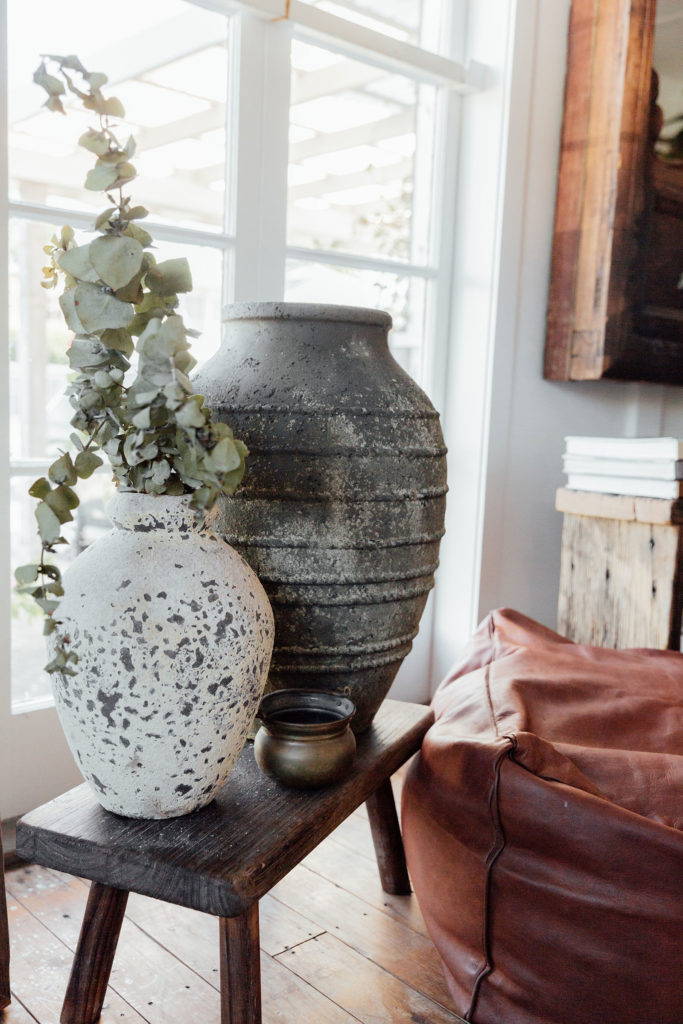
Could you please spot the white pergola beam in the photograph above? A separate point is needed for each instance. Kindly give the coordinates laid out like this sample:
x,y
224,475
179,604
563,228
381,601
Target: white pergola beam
x,y
144,51
342,182
307,86
184,128
333,142
177,191
360,135
310,85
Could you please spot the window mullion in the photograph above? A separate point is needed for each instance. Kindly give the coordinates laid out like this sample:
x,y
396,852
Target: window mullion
x,y
261,140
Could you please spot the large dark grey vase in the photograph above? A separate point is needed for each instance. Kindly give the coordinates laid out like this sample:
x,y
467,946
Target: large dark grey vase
x,y
342,507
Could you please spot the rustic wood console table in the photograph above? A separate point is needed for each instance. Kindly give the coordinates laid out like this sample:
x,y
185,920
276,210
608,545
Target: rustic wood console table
x,y
220,860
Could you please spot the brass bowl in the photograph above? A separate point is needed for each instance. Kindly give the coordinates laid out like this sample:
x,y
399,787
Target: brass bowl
x,y
305,739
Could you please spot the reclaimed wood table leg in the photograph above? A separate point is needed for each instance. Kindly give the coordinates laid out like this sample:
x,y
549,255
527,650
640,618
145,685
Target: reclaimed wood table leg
x,y
240,968
4,942
386,836
94,954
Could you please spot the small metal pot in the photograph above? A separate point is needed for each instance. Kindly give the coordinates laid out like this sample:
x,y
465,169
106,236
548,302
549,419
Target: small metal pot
x,y
305,739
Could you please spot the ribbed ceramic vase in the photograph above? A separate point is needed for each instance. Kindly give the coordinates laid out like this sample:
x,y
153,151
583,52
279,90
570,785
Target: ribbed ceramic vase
x,y
342,507
173,633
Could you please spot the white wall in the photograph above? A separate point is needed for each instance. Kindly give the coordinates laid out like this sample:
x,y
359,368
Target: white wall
x,y
505,424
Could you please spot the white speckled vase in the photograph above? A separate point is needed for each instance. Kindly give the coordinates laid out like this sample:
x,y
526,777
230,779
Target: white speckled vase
x,y
174,635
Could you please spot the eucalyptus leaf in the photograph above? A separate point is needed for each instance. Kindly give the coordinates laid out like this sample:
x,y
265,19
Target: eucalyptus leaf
x,y
96,79
67,304
55,104
142,419
116,259
105,217
118,339
72,63
231,481
139,234
26,574
86,353
98,310
191,414
77,262
62,501
170,276
86,463
39,488
101,177
225,456
113,107
95,142
125,173
131,292
48,523
62,470
52,85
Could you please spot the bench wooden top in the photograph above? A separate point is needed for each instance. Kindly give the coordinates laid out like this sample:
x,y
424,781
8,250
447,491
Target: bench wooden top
x,y
224,857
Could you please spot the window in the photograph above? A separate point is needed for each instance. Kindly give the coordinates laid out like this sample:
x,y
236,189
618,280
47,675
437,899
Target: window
x,y
302,157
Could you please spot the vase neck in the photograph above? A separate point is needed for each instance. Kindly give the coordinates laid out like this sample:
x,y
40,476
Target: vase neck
x,y
147,513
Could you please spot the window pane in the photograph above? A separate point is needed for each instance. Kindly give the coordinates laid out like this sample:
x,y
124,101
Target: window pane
x,y
29,655
360,157
168,62
39,413
403,297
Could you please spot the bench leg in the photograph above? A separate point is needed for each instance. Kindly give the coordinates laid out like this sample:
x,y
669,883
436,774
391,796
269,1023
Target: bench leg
x,y
240,968
386,835
4,943
94,955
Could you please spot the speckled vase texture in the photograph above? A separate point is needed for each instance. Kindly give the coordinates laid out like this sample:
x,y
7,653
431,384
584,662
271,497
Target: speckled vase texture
x,y
174,634
342,508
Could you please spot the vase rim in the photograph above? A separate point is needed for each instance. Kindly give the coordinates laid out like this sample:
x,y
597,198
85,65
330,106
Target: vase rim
x,y
306,311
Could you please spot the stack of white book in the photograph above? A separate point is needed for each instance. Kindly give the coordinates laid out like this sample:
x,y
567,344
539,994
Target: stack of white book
x,y
647,467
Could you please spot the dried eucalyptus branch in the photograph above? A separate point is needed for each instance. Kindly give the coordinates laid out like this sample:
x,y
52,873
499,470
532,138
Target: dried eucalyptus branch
x,y
158,435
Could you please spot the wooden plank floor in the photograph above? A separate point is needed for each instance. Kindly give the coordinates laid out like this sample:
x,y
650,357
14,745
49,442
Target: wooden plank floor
x,y
335,949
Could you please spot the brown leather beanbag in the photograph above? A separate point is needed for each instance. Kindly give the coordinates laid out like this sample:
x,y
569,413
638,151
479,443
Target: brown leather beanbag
x,y
542,827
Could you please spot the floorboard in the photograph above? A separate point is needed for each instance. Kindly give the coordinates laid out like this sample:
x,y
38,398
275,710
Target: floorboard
x,y
336,949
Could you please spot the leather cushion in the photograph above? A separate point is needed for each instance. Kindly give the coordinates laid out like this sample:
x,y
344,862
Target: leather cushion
x,y
542,828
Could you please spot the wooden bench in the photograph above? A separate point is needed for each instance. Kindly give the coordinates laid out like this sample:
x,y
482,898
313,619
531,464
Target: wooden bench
x,y
220,860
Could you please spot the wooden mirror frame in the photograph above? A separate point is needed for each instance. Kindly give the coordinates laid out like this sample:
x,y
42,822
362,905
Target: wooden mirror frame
x,y
595,326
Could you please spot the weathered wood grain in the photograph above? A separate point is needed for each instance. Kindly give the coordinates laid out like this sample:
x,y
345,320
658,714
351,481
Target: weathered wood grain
x,y
40,970
280,927
601,241
386,836
225,857
240,968
621,583
620,506
94,955
166,953
149,978
331,861
392,945
361,987
5,995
